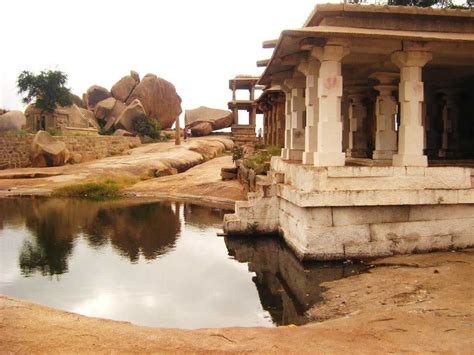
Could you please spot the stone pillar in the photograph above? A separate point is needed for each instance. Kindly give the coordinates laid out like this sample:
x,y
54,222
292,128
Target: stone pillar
x,y
235,111
450,142
312,113
385,113
430,123
345,122
294,131
357,123
253,114
285,152
329,126
234,88
410,93
265,127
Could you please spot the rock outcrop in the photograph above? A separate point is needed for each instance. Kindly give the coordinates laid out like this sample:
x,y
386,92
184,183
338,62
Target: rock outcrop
x,y
12,121
125,121
94,95
159,98
203,120
124,87
104,107
48,151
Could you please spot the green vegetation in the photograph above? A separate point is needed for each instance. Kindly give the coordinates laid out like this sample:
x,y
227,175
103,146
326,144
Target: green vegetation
x,y
101,190
259,160
237,153
147,127
47,89
16,133
54,131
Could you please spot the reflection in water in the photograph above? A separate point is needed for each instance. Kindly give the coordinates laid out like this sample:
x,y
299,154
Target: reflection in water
x,y
155,264
287,287
144,229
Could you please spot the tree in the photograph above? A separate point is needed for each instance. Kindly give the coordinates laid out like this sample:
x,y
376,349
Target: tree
x,y
47,88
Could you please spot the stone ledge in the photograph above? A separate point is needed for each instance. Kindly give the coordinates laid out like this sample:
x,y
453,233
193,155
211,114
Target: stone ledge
x,y
375,197
349,178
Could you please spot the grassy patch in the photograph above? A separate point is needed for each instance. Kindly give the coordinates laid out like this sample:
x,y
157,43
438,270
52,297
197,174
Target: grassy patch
x,y
259,160
101,190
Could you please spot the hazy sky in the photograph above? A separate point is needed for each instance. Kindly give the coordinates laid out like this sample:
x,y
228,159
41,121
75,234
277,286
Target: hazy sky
x,y
196,45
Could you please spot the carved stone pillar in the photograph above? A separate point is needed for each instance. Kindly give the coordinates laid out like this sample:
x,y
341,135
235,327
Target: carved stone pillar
x,y
329,91
450,142
385,112
345,102
312,107
357,123
297,112
410,134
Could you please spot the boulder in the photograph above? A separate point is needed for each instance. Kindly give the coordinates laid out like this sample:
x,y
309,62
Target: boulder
x,y
124,87
123,133
94,95
159,98
199,119
48,151
89,115
201,129
113,115
104,107
76,100
12,121
135,76
125,121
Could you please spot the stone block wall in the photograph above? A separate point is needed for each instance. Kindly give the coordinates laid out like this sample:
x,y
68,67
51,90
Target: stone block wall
x,y
15,150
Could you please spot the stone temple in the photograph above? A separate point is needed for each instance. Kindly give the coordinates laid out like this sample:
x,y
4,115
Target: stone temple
x,y
378,134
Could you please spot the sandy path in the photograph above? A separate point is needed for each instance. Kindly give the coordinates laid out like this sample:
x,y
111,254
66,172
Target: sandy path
x,y
415,304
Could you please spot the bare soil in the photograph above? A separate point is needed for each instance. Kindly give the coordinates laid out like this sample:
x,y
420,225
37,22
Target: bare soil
x,y
414,304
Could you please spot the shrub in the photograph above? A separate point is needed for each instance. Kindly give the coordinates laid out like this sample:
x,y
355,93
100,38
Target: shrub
x,y
147,127
54,131
237,153
101,190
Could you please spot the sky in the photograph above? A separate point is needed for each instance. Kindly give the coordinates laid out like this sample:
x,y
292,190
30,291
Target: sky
x,y
196,45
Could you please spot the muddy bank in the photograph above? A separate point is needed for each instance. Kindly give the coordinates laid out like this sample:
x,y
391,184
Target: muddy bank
x,y
414,303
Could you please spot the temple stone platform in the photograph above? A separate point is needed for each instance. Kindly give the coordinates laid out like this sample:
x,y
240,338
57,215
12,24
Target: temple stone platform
x,y
243,134
333,213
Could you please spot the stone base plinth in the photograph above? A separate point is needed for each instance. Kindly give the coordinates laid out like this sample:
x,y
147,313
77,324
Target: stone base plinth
x,y
336,213
244,134
383,154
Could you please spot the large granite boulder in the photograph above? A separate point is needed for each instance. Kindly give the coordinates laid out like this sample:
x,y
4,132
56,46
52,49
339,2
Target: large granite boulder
x,y
124,87
12,121
110,119
48,151
104,107
76,100
201,129
90,117
159,98
203,120
94,95
125,121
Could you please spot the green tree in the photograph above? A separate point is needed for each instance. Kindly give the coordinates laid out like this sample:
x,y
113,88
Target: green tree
x,y
47,89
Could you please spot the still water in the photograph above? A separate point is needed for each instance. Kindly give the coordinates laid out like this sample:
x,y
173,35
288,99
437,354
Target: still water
x,y
153,264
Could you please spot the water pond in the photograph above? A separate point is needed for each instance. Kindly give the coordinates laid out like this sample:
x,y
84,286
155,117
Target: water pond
x,y
153,264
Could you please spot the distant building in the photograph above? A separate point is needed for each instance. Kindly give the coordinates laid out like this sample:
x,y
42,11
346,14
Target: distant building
x,y
69,120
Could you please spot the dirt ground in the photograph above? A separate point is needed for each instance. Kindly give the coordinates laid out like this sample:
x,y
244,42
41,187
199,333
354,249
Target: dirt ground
x,y
414,304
